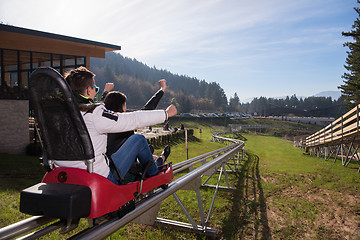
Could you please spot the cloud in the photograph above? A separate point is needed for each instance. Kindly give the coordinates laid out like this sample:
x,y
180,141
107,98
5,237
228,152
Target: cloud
x,y
228,41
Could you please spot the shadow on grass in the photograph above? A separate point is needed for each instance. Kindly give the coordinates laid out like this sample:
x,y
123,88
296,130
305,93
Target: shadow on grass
x,y
19,171
248,217
353,164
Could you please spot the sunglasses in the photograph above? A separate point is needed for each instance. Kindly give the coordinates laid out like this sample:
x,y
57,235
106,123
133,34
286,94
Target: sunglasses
x,y
96,88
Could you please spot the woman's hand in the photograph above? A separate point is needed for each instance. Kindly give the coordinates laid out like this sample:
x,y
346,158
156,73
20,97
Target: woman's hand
x,y
109,87
171,111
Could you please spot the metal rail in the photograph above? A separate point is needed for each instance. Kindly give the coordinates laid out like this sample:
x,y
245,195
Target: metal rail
x,y
218,160
24,226
106,229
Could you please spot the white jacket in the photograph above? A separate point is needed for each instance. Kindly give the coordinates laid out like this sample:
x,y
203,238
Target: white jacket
x,y
102,121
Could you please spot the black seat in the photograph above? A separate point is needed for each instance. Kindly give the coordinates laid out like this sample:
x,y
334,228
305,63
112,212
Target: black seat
x,y
65,137
64,133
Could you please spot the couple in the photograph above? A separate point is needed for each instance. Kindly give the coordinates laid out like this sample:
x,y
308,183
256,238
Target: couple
x,y
101,121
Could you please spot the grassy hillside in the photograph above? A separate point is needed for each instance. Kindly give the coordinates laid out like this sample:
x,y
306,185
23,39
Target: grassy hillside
x,y
303,197
265,126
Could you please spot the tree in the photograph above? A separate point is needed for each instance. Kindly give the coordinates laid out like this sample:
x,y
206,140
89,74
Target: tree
x,y
198,93
234,103
350,90
205,104
216,93
185,102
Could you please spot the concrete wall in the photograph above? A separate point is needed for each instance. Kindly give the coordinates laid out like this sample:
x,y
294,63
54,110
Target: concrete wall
x,y
14,126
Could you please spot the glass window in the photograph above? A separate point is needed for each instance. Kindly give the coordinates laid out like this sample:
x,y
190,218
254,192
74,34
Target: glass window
x,y
10,58
68,69
13,79
56,60
80,61
35,65
25,60
25,78
69,61
12,68
41,58
15,71
47,64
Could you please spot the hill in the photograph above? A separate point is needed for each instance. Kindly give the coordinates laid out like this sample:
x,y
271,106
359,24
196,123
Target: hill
x,y
139,82
303,107
333,94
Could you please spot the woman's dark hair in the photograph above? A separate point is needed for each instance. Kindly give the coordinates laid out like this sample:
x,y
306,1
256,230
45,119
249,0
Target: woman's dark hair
x,y
114,101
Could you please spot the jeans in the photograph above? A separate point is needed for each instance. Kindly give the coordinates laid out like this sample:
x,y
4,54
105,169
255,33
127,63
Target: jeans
x,y
136,146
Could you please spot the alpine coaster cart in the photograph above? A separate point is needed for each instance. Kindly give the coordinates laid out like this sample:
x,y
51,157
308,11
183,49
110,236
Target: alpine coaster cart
x,y
66,193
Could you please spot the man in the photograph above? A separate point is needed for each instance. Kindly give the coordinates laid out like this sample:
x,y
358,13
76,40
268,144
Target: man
x,y
101,121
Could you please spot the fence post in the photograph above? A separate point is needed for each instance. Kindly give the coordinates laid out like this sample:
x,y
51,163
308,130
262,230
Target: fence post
x,y
357,118
342,127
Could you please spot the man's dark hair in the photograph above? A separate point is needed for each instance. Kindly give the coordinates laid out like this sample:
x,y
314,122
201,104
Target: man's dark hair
x,y
79,79
114,101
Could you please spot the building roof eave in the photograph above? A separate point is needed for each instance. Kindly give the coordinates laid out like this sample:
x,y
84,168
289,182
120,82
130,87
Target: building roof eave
x,y
35,33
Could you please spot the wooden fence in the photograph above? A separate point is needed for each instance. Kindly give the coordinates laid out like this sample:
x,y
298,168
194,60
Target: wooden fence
x,y
343,129
166,139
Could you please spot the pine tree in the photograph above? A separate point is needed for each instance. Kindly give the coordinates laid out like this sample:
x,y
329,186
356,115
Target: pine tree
x,y
350,90
234,103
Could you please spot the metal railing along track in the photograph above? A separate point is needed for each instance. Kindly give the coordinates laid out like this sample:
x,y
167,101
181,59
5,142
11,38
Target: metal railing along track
x,y
218,160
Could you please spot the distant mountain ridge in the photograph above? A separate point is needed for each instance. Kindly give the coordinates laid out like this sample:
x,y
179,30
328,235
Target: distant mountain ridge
x,y
139,82
333,94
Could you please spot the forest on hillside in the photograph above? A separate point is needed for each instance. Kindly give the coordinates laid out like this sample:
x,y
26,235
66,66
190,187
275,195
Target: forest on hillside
x,y
307,107
139,82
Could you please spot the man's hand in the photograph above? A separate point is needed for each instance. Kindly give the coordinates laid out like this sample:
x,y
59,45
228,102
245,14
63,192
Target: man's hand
x,y
109,87
162,84
171,111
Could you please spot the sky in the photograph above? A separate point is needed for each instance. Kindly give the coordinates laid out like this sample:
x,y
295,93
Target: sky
x,y
269,48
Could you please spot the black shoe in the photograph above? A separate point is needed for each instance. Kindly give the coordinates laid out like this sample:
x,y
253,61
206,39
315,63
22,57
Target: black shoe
x,y
166,152
159,162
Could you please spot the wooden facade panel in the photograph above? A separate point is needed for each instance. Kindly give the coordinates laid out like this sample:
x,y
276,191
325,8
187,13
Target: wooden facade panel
x,y
10,40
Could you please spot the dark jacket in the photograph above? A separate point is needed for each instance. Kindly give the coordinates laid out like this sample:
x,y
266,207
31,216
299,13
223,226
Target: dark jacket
x,y
115,140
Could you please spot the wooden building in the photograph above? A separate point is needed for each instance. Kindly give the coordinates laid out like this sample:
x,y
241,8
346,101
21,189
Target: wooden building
x,y
22,51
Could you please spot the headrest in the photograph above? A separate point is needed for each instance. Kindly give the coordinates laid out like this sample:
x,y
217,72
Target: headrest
x,y
62,128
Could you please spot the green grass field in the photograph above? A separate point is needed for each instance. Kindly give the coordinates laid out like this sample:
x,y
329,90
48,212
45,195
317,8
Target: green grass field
x,y
280,194
305,197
